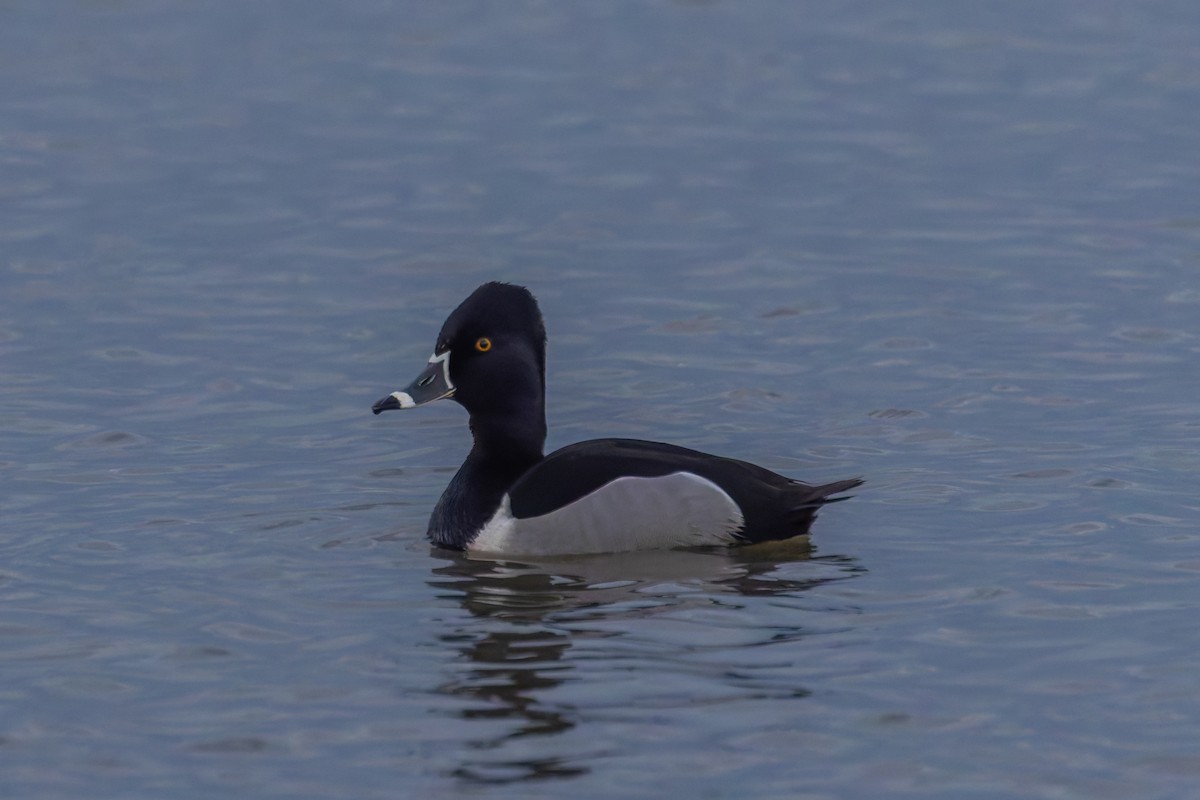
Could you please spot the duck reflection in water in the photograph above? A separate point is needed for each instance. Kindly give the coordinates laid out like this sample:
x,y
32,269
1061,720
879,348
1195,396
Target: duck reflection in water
x,y
532,628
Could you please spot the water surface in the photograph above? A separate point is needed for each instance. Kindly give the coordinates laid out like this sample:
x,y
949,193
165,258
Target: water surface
x,y
951,250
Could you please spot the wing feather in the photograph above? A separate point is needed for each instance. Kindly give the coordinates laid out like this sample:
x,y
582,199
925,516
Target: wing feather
x,y
680,509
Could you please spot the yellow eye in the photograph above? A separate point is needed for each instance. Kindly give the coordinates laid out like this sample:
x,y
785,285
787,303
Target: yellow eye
x,y
483,344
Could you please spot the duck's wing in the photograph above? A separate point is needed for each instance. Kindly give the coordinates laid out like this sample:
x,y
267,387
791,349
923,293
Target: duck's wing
x,y
566,475
768,505
627,513
612,495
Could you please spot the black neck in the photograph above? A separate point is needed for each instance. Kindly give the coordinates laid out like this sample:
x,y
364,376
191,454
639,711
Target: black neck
x,y
505,448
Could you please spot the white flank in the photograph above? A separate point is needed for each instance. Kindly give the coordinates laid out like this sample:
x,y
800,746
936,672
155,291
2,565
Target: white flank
x,y
677,510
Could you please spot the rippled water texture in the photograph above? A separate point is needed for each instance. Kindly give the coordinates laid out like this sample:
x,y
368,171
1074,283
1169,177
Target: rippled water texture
x,y
951,249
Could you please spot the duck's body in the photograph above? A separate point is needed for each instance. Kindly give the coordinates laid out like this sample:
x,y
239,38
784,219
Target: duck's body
x,y
603,495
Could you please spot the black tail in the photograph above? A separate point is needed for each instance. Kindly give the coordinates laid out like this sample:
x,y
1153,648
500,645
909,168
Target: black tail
x,y
802,514
820,495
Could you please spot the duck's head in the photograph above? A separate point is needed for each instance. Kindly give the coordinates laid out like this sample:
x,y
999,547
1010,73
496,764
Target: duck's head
x,y
490,357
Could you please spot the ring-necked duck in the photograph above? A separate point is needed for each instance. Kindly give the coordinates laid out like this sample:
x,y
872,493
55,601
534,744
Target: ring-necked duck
x,y
598,496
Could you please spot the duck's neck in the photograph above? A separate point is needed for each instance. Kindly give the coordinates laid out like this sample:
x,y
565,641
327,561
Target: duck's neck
x,y
506,446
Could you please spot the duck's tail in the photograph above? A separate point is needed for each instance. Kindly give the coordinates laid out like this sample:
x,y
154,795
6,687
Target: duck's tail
x,y
820,495
812,498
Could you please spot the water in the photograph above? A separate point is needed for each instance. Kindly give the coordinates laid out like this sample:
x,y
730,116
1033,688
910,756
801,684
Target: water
x,y
952,250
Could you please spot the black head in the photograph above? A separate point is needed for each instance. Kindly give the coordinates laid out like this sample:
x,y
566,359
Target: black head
x,y
497,345
490,356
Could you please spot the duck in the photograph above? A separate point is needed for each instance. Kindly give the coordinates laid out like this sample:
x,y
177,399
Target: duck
x,y
596,496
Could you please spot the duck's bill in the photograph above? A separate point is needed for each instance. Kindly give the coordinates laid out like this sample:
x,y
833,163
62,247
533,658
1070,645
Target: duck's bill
x,y
432,384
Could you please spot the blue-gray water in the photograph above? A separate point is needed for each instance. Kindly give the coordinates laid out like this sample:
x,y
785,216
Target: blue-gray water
x,y
951,248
